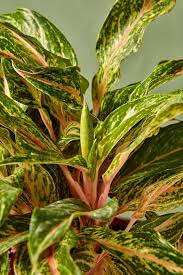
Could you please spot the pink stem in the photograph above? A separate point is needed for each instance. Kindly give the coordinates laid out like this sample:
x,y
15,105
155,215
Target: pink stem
x,y
104,193
74,185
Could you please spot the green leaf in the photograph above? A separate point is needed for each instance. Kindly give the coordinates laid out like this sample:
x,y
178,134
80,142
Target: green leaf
x,y
71,133
22,263
34,24
163,72
13,118
62,84
4,264
154,164
84,256
13,232
121,121
107,212
16,88
64,262
166,143
7,142
170,226
39,187
146,252
9,193
49,157
121,35
86,131
170,108
50,224
17,46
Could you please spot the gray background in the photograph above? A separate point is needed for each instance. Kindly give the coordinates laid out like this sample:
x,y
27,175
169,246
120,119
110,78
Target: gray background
x,y
81,20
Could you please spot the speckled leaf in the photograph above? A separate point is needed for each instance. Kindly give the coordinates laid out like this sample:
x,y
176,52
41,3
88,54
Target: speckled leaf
x,y
13,117
34,24
163,72
17,46
13,231
62,84
50,224
170,226
170,108
121,35
39,187
17,88
4,264
71,133
121,121
9,193
156,187
63,261
7,142
84,256
107,212
146,252
44,158
86,131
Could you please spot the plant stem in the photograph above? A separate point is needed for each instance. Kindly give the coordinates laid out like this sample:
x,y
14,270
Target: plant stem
x,y
74,185
130,224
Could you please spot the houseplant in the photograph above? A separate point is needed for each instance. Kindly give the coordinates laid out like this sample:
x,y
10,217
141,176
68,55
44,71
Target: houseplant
x,y
68,172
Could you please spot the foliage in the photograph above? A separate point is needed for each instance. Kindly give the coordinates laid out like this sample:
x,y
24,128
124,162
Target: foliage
x,y
66,172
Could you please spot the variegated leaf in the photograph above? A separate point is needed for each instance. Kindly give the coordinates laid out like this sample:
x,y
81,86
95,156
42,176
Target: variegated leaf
x,y
63,261
120,35
49,157
121,121
13,117
170,226
39,187
86,131
18,89
71,133
13,232
143,251
50,224
157,187
10,189
163,72
171,108
85,257
7,142
34,24
17,46
166,143
4,264
62,84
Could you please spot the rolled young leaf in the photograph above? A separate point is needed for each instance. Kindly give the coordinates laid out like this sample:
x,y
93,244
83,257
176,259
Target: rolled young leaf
x,y
120,35
86,131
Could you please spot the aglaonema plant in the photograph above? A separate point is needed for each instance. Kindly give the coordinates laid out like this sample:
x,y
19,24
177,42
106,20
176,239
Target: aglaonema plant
x,y
68,172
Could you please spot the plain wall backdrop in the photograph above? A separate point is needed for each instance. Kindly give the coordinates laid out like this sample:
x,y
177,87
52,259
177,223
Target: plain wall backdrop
x,y
81,20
